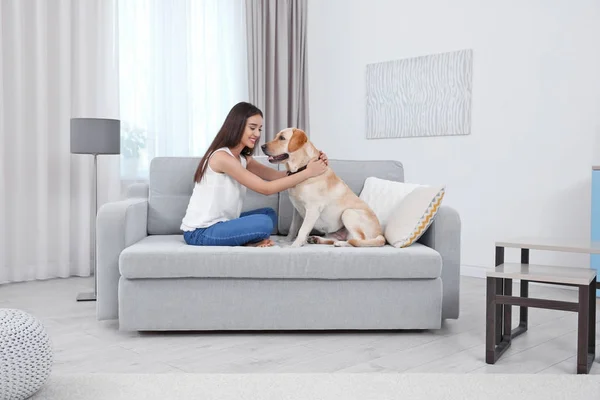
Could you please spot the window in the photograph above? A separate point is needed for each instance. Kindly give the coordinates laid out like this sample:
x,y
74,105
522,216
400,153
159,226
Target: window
x,y
182,66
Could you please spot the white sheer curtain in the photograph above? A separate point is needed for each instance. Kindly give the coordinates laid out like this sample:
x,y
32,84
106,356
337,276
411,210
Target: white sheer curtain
x,y
182,66
57,61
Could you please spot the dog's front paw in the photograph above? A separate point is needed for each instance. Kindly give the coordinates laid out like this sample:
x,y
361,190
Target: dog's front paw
x,y
297,243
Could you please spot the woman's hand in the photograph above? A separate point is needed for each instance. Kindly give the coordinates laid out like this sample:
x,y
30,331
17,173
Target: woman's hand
x,y
323,156
316,167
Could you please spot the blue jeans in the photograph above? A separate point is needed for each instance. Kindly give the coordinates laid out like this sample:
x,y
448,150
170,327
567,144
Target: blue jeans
x,y
250,227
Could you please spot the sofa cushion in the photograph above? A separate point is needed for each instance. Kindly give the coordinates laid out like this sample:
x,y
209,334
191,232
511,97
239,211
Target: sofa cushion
x,y
168,256
353,173
170,187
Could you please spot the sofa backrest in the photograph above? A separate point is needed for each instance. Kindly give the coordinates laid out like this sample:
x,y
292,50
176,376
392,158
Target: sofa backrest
x,y
354,174
171,183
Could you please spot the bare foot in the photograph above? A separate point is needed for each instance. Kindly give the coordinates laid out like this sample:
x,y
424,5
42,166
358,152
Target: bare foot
x,y
262,243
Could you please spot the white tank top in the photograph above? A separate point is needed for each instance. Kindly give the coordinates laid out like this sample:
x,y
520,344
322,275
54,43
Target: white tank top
x,y
218,197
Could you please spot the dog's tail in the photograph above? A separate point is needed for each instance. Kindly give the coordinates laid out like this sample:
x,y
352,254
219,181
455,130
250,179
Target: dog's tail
x,y
376,242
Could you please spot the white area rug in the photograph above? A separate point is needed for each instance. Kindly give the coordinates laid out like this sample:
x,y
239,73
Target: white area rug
x,y
319,386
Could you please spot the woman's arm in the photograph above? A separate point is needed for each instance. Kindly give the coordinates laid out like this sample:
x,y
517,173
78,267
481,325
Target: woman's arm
x,y
265,172
224,163
270,174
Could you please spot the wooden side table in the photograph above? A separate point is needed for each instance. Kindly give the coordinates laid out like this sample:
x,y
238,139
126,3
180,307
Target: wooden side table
x,y
595,218
499,332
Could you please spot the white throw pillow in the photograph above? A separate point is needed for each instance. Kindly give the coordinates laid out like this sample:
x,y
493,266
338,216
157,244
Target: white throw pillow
x,y
404,210
383,196
413,215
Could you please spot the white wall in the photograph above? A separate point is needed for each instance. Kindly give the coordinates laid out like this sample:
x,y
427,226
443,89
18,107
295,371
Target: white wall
x,y
526,167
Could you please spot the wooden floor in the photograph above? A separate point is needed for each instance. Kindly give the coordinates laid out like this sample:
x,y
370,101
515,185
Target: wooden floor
x,y
83,344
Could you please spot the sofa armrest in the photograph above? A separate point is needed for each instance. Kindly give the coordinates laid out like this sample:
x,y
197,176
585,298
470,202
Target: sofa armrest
x,y
444,236
137,190
119,225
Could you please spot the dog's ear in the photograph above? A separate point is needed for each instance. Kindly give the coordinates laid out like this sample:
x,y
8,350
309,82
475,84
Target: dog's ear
x,y
298,140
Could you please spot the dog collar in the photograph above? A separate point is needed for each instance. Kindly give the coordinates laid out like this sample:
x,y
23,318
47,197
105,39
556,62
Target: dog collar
x,y
299,170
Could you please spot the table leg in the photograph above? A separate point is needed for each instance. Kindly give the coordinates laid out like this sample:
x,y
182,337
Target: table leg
x,y
499,290
491,326
592,323
507,315
493,350
584,329
522,328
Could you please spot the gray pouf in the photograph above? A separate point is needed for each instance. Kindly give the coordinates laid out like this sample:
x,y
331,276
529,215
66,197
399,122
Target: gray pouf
x,y
25,354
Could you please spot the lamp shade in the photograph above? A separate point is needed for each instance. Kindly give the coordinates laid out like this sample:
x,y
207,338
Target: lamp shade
x,y
95,136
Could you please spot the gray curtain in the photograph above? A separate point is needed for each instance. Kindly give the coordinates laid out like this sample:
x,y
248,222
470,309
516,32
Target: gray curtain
x,y
277,63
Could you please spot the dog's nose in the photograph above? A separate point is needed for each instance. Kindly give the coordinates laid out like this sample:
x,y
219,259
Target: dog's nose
x,y
264,146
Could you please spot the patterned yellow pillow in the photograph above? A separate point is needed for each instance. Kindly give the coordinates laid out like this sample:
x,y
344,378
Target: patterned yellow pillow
x,y
413,215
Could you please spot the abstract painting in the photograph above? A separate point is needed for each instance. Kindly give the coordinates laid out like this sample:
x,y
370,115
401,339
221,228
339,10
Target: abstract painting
x,y
421,96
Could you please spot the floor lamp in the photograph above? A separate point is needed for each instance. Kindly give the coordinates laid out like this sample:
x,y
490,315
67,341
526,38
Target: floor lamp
x,y
95,136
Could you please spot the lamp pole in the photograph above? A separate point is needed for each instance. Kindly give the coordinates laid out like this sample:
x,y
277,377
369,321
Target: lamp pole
x,y
95,136
91,296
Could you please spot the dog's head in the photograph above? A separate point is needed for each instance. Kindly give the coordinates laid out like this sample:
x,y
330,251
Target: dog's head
x,y
288,145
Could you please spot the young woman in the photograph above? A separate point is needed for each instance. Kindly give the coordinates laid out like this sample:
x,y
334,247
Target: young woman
x,y
213,216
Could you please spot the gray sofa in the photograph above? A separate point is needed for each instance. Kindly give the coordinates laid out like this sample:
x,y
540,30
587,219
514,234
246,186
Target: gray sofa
x,y
151,280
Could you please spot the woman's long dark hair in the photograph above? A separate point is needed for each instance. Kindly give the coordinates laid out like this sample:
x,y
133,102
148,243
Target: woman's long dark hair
x,y
230,134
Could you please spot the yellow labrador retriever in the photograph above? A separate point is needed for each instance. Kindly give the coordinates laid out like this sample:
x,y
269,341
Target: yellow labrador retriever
x,y
325,202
